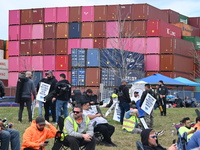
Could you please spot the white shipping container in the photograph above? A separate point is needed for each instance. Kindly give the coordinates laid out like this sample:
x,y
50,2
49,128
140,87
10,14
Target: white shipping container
x,y
4,74
1,54
4,64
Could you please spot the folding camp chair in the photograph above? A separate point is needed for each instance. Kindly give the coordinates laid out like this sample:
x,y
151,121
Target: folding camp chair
x,y
139,145
197,112
182,141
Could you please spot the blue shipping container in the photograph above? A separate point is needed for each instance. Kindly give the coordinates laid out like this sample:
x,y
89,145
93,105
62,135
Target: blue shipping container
x,y
78,57
74,30
109,77
78,76
37,76
110,58
93,58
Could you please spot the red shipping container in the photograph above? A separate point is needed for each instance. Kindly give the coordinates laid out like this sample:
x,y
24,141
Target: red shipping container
x,y
87,13
14,32
13,48
14,17
112,29
173,16
125,12
74,14
160,28
61,46
49,47
62,14
152,62
37,31
12,79
99,29
99,43
100,13
176,63
87,43
50,31
139,28
148,12
26,16
194,21
92,77
73,43
50,15
25,63
37,47
67,73
25,48
26,32
62,30
63,62
49,62
126,29
113,12
37,63
13,64
87,30
38,15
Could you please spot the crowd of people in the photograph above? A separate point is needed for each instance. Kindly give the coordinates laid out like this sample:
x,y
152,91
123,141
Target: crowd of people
x,y
83,122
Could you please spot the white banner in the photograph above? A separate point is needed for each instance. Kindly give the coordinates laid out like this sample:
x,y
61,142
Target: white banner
x,y
148,103
4,64
117,112
43,91
111,108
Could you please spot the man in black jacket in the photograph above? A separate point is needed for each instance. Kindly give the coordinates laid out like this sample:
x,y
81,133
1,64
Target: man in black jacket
x,y
147,118
49,104
150,142
63,94
2,89
124,99
163,92
88,96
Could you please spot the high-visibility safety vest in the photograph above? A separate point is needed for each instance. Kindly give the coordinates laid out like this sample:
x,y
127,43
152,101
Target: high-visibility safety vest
x,y
73,121
129,124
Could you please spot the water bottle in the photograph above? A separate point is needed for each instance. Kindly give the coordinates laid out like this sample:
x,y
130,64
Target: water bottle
x,y
172,134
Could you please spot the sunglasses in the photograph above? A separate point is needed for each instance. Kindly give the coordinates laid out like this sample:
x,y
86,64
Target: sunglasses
x,y
76,112
154,136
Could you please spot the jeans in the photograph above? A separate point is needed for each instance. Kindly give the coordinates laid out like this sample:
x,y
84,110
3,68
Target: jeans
x,y
124,107
61,104
10,135
28,102
40,103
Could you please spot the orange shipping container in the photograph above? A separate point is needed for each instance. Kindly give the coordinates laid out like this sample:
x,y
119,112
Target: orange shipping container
x,y
87,30
26,16
75,14
100,13
62,30
92,77
176,63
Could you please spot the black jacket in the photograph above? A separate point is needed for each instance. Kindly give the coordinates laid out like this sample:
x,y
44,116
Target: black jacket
x,y
86,98
144,139
52,81
2,89
144,94
125,97
63,96
162,90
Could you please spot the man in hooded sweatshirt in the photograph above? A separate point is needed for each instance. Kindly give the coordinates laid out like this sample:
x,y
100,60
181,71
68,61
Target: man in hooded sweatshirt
x,y
150,142
35,136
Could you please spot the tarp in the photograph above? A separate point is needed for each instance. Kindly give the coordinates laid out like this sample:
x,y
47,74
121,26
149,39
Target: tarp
x,y
155,78
186,81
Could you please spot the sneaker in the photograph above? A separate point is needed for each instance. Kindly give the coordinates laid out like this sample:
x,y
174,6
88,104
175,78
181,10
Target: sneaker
x,y
160,133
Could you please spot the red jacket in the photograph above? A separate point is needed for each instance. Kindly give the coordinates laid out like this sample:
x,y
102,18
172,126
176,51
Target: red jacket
x,y
32,137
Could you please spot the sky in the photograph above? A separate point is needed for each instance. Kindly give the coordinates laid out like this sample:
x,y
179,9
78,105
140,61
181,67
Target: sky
x,y
189,8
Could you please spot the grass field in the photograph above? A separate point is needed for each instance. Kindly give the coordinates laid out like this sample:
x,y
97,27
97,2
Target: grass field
x,y
125,141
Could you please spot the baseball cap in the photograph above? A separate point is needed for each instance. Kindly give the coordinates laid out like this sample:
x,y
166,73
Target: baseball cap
x,y
136,92
124,80
40,120
50,72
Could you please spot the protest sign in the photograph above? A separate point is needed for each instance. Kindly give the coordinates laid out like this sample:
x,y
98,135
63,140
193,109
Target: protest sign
x,y
148,103
43,91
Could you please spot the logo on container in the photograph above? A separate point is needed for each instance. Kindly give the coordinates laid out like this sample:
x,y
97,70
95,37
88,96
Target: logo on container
x,y
170,32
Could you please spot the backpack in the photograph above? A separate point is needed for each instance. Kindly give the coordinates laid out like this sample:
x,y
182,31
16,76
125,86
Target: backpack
x,y
63,88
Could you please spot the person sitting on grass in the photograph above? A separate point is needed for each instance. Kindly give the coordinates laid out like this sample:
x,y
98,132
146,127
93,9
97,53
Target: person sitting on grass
x,y
131,120
186,128
150,141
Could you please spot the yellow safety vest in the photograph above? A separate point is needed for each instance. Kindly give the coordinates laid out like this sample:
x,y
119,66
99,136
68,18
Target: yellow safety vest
x,y
73,121
114,95
129,124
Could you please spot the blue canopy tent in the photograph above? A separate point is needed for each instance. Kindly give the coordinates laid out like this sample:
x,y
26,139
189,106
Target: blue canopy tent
x,y
155,78
187,82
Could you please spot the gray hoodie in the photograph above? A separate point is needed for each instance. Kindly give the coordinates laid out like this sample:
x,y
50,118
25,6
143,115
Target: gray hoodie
x,y
28,89
82,129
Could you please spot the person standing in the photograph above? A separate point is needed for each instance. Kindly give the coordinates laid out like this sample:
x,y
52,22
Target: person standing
x,y
63,94
49,105
124,99
2,89
27,91
162,92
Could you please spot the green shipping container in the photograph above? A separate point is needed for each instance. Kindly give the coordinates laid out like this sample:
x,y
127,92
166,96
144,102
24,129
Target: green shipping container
x,y
197,88
183,19
194,39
